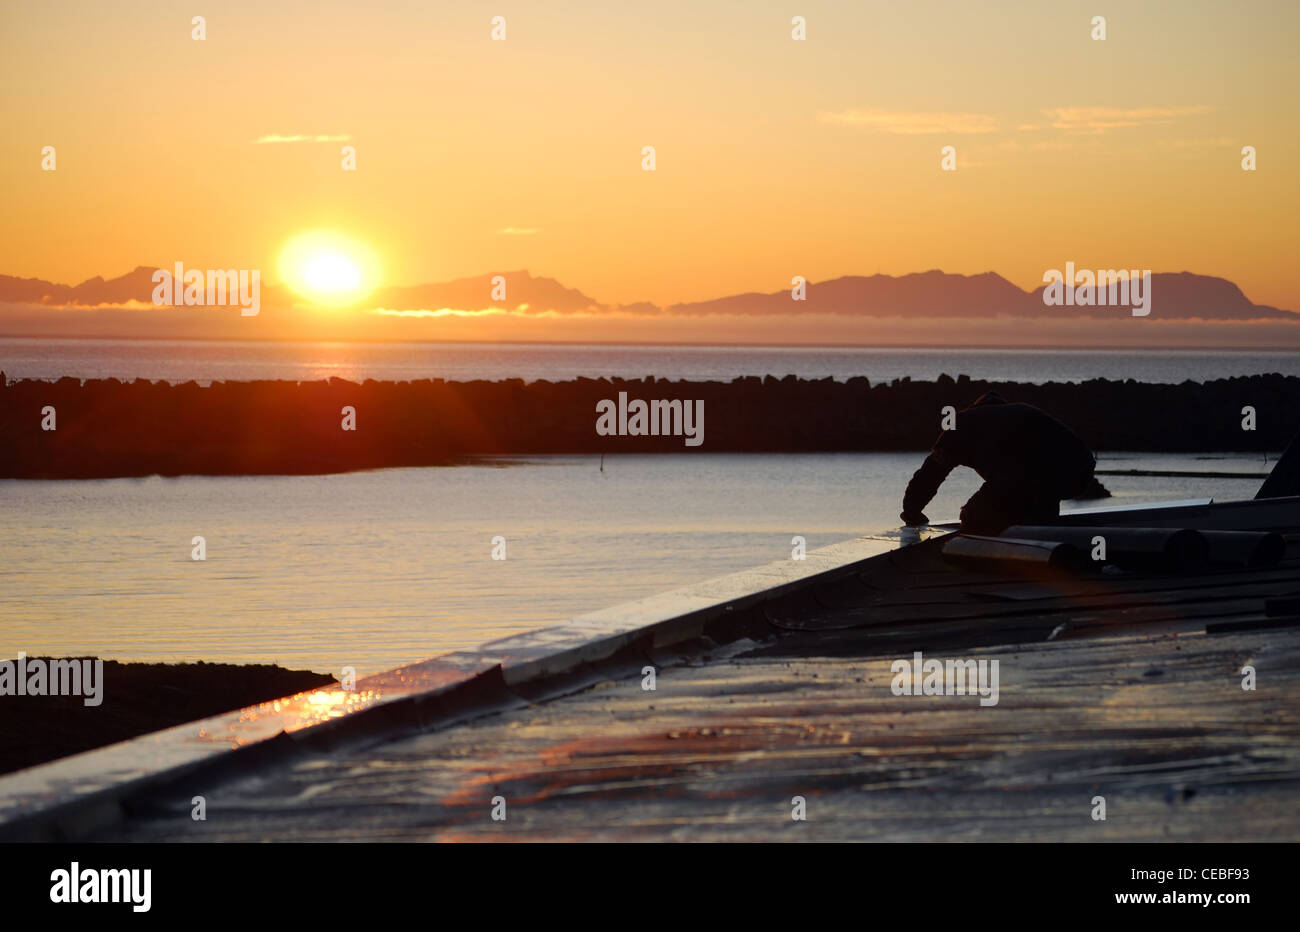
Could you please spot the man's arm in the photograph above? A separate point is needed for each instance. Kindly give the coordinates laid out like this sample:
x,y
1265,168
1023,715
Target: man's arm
x,y
925,483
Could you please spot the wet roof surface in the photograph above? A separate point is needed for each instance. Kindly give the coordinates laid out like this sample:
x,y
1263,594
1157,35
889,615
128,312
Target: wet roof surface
x,y
1109,686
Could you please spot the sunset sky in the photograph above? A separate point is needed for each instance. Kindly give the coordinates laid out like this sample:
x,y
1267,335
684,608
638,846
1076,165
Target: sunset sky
x,y
774,157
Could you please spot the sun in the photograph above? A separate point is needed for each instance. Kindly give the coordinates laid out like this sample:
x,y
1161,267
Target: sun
x,y
329,268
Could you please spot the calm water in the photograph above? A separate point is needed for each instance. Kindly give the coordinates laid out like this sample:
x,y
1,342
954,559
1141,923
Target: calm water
x,y
380,568
179,361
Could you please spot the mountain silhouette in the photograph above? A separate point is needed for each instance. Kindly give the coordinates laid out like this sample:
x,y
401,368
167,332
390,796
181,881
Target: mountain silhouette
x,y
1175,295
930,294
521,287
1180,295
136,285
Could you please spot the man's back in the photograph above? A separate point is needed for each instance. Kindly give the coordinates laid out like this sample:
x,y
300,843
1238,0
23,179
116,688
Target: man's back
x,y
1015,442
1028,459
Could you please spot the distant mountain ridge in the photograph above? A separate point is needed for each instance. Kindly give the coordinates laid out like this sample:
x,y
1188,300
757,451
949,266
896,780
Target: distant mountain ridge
x,y
931,294
1174,295
940,294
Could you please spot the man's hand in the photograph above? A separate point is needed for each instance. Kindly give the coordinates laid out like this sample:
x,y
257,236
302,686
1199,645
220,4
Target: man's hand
x,y
924,484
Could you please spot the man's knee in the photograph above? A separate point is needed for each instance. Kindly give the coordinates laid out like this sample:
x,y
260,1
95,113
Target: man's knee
x,y
985,512
993,509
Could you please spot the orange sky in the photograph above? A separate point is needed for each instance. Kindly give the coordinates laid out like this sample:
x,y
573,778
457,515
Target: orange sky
x,y
774,157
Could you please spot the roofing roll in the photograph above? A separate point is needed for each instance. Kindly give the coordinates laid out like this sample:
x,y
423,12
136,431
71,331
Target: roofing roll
x,y
1150,549
1010,554
1245,548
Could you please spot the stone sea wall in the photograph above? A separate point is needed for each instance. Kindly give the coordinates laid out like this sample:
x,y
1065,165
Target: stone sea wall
x,y
101,428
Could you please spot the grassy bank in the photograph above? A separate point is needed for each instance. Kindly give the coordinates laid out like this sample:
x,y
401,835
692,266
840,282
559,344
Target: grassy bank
x,y
137,698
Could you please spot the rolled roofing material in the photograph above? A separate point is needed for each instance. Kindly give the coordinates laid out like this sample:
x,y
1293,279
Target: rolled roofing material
x,y
1245,548
1012,554
1133,547
1283,606
1150,549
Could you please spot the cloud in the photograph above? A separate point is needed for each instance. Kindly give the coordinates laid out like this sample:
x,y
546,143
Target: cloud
x,y
913,124
440,312
1101,119
274,138
1215,142
522,311
519,231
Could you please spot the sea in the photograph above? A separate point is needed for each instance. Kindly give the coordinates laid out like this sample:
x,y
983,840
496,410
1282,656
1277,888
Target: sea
x,y
380,568
206,361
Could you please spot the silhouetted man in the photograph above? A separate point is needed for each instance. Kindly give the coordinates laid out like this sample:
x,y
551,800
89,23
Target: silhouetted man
x,y
1028,460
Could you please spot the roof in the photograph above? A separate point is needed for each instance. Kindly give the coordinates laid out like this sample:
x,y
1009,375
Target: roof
x,y
1126,686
